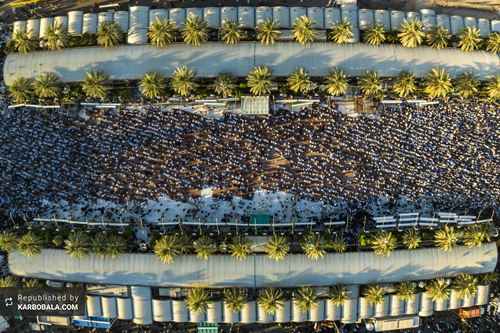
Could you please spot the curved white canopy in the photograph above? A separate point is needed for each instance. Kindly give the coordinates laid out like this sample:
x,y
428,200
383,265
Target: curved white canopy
x,y
258,270
132,61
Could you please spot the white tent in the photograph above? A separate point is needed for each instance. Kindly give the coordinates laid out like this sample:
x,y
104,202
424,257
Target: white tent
x,y
75,23
161,14
317,15
296,13
121,18
246,17
229,14
262,14
212,16
89,23
44,24
177,16
282,16
34,26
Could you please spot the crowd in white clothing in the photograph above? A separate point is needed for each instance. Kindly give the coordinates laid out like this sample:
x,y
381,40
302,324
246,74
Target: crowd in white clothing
x,y
446,155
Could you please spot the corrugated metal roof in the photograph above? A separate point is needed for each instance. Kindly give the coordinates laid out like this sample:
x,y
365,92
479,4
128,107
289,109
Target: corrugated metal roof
x,y
258,270
209,59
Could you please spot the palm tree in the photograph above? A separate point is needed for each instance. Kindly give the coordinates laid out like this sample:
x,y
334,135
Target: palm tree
x,y
465,285
341,32
469,39
411,33
374,294
240,247
99,244
473,235
305,299
339,244
405,290
375,34
161,33
197,300
56,36
224,84
203,247
383,243
270,299
299,81
78,245
405,84
303,30
493,87
493,43
447,238
336,82
466,85
152,84
370,83
8,241
23,42
94,85
489,278
31,283
185,243
411,238
21,89
183,81
235,299
267,31
338,294
488,230
259,80
8,281
116,246
195,31
47,85
167,248
29,245
438,83
313,246
438,37
277,247
231,32
438,289
109,34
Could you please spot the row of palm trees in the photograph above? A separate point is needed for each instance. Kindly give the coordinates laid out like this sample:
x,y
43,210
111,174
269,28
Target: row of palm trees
x,y
384,242
306,298
195,31
10,281
96,84
78,245
313,245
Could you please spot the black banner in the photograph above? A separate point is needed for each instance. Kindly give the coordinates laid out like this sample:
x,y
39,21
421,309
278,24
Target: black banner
x,y
42,301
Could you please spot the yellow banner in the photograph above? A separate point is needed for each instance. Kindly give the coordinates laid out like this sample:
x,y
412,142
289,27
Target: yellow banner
x,y
22,3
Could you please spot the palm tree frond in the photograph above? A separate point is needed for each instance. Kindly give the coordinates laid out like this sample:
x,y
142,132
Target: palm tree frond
x,y
195,31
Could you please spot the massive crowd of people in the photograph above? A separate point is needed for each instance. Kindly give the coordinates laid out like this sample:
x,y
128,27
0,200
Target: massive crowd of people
x,y
443,154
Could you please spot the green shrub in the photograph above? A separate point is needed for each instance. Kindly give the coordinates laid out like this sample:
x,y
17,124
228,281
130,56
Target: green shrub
x,y
428,235
365,239
58,240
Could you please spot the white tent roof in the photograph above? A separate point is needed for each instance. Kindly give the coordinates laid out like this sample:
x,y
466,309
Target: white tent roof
x,y
258,270
131,62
